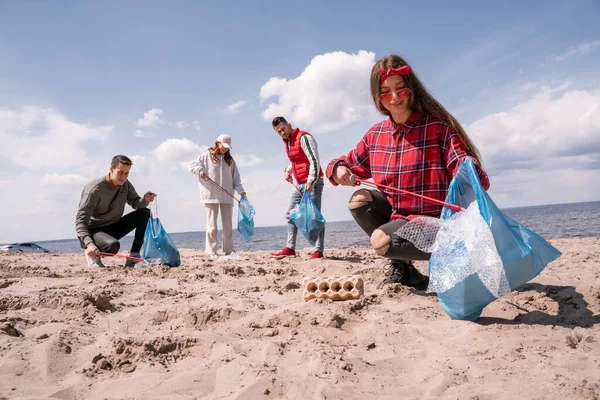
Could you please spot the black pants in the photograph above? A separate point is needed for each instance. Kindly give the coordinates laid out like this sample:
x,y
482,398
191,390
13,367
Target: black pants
x,y
107,237
376,215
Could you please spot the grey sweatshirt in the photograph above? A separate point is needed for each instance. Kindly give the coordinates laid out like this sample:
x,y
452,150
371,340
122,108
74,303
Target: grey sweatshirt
x,y
101,205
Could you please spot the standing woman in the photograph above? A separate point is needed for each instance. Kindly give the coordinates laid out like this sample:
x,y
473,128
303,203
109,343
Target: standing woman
x,y
418,148
217,165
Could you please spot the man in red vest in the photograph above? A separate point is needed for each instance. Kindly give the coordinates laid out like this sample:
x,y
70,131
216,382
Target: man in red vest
x,y
301,149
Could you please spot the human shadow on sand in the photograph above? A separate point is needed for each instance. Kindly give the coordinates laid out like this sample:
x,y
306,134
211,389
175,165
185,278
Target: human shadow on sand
x,y
355,259
573,310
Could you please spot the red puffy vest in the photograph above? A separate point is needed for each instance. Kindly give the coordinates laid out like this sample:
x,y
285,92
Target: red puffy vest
x,y
300,163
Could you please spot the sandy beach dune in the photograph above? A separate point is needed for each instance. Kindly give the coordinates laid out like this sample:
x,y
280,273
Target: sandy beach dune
x,y
239,329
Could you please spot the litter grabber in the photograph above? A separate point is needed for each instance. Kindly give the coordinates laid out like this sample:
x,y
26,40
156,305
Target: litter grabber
x,y
354,179
206,178
296,187
138,259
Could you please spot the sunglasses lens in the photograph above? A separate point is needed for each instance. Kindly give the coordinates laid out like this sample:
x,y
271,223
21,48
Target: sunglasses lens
x,y
386,98
403,93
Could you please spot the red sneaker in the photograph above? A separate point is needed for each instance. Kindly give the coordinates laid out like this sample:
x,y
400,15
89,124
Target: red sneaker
x,y
316,254
287,252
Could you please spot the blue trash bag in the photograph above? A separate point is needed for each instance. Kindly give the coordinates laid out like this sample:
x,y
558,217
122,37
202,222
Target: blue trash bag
x,y
307,217
246,219
158,247
523,254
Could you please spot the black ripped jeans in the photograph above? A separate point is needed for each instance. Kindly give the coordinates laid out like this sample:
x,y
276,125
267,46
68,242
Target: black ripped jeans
x,y
106,238
376,215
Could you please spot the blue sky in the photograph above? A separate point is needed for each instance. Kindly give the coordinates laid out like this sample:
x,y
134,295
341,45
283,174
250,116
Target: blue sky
x,y
159,81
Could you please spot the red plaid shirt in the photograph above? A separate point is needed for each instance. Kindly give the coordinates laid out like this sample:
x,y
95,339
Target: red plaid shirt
x,y
420,156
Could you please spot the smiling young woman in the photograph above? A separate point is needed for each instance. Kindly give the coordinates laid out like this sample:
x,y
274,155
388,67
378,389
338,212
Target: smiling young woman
x,y
417,149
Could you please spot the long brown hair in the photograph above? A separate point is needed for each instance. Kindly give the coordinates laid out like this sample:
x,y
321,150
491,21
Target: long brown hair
x,y
420,99
214,154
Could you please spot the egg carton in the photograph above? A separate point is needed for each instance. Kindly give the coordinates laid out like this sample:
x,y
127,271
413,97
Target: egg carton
x,y
345,287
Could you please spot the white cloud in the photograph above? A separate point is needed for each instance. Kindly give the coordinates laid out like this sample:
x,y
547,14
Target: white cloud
x,y
196,125
181,124
249,160
140,163
63,180
151,118
235,107
583,48
34,137
331,93
551,130
139,133
180,151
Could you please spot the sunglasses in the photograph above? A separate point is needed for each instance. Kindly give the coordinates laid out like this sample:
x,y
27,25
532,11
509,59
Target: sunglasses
x,y
401,93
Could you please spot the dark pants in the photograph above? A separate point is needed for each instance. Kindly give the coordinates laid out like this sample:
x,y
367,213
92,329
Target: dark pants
x,y
376,215
107,237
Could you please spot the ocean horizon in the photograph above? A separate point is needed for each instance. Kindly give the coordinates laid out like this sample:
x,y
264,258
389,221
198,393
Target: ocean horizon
x,y
550,221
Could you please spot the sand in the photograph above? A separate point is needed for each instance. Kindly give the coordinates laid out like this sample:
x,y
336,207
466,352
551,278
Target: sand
x,y
239,329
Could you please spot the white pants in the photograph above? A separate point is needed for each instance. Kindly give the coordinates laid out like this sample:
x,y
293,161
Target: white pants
x,y
212,213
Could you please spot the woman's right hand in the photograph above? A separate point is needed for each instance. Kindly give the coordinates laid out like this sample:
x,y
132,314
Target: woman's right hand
x,y
203,176
341,176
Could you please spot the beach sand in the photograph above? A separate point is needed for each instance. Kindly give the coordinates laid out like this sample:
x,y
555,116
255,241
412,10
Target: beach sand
x,y
239,329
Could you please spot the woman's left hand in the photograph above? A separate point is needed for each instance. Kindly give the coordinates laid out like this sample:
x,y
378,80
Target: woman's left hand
x,y
243,194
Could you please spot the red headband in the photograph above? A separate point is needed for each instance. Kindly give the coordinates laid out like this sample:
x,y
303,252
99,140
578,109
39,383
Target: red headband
x,y
386,73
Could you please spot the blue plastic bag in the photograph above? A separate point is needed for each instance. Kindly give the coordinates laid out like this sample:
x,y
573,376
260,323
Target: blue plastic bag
x,y
307,217
158,247
523,253
245,219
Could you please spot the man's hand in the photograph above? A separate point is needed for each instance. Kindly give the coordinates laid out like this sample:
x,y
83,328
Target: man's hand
x,y
92,250
149,197
243,194
287,175
341,176
308,187
203,176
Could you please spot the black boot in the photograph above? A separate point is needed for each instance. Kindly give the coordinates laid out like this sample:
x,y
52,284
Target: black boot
x,y
405,273
414,278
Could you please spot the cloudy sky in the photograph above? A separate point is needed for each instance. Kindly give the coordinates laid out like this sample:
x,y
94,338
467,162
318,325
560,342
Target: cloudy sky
x,y
158,81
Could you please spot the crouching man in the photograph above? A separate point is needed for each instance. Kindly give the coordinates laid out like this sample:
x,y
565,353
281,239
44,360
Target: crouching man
x,y
100,222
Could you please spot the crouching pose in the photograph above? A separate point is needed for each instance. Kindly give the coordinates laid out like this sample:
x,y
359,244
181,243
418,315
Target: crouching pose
x,y
418,149
100,222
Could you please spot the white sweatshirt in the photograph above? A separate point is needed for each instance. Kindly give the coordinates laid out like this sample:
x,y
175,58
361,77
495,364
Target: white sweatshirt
x,y
225,175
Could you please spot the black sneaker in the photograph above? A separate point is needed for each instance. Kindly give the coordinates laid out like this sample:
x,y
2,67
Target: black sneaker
x,y
414,278
405,273
394,271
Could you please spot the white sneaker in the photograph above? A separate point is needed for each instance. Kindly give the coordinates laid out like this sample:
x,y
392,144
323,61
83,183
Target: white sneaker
x,y
231,256
94,263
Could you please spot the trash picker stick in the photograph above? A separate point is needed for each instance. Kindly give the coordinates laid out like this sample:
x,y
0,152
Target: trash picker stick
x,y
296,187
139,259
453,207
220,187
